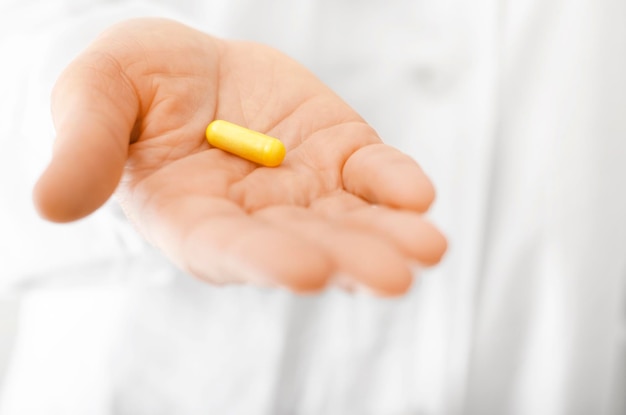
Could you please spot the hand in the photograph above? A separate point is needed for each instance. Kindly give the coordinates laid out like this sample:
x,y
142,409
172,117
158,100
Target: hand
x,y
130,114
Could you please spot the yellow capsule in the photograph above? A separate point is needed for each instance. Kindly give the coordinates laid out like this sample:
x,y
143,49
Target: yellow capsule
x,y
250,145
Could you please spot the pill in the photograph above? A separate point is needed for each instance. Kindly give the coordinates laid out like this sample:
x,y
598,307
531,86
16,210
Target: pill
x,y
248,144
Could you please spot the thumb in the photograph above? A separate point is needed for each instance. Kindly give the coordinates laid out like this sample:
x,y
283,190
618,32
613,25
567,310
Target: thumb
x,y
94,109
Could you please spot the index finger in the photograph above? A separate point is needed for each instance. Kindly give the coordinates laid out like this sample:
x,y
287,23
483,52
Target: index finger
x,y
383,175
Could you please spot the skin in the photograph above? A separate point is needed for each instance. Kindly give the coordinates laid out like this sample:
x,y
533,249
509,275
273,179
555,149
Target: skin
x,y
130,114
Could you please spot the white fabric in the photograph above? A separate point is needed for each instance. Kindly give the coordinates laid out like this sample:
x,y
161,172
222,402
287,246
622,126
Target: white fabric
x,y
516,109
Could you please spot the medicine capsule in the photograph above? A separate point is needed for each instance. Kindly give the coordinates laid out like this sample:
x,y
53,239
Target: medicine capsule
x,y
250,145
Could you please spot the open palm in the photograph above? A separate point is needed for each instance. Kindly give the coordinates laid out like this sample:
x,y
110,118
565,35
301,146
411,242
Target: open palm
x,y
130,114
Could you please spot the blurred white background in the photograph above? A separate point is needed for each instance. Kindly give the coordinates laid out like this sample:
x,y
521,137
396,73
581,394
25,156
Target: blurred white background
x,y
9,307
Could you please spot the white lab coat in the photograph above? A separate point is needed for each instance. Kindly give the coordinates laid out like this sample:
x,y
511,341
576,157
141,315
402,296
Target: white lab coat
x,y
517,111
